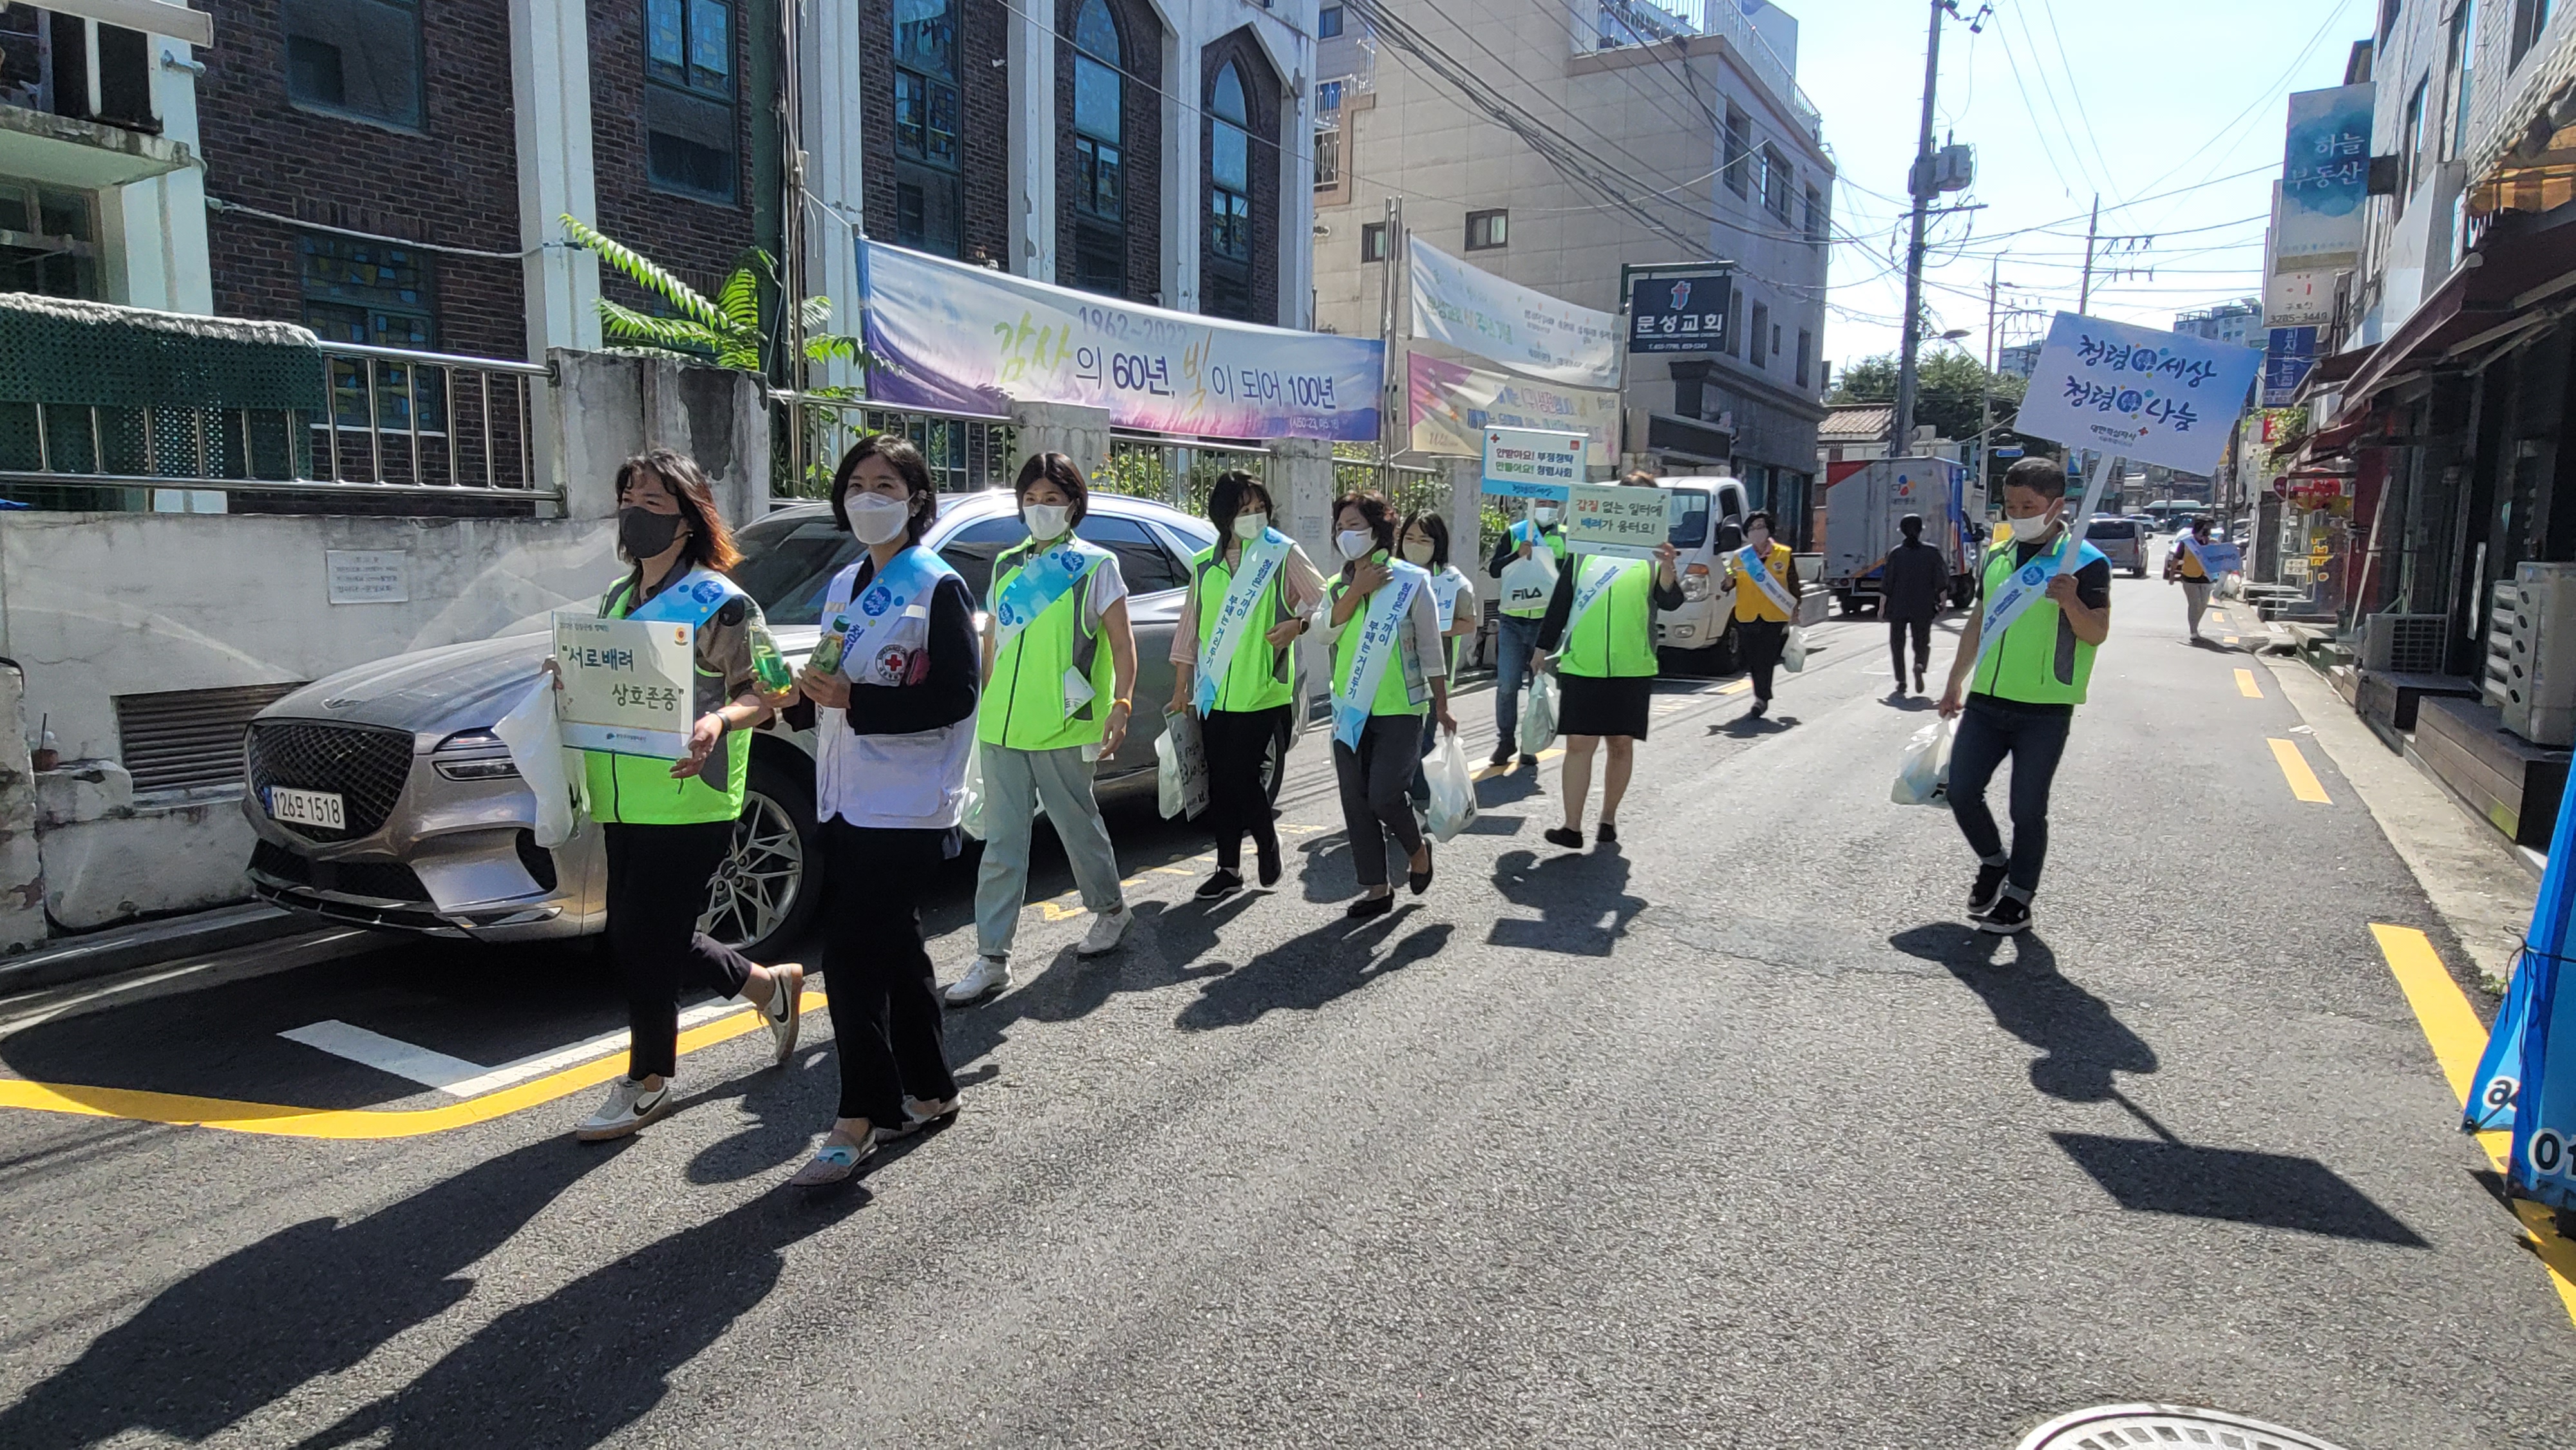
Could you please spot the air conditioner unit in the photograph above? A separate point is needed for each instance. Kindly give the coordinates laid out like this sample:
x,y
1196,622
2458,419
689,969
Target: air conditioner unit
x,y
2499,662
2403,644
2540,669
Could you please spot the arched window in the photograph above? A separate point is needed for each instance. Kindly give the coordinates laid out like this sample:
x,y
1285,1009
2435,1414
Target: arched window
x,y
1099,139
1228,269
926,113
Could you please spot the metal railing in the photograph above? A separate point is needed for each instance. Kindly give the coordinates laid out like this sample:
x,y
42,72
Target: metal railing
x,y
396,425
965,451
1625,23
1409,488
1178,472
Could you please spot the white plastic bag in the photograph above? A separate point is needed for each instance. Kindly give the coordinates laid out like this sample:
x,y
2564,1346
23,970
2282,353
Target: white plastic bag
x,y
1527,583
1538,714
1181,768
1453,789
537,749
971,817
1923,772
1793,650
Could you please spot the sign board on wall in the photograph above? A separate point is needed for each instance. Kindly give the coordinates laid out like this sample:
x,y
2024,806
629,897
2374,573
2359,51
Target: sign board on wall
x,y
2325,179
2290,352
1684,313
366,576
1617,520
1524,329
2144,395
1526,463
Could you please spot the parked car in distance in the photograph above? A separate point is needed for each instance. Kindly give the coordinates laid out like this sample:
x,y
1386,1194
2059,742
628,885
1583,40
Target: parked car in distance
x,y
2122,541
430,824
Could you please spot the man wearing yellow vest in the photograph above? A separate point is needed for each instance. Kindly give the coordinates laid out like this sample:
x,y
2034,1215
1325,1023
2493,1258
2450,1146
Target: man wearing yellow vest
x,y
2016,697
1516,627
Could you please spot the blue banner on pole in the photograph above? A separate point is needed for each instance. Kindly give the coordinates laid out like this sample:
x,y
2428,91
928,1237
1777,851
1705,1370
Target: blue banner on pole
x,y
2498,1080
2543,1109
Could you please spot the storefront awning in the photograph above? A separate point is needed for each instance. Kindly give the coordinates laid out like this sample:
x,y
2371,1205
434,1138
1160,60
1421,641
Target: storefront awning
x,y
2514,284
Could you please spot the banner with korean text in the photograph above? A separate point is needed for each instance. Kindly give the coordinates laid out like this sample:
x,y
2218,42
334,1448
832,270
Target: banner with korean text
x,y
971,340
1525,330
2137,393
1453,405
1619,520
1527,463
2325,179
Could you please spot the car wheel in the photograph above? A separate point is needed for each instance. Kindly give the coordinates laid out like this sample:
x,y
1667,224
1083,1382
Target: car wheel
x,y
765,894
1274,761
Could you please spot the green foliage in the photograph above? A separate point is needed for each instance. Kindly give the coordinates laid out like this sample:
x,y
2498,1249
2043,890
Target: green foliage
x,y
728,331
1948,387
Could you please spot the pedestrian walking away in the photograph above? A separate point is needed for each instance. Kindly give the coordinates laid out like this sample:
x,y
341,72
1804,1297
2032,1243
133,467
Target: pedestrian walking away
x,y
2016,699
1253,594
668,824
1386,665
1526,560
893,686
1423,541
1764,580
2184,566
1911,590
1599,639
1055,701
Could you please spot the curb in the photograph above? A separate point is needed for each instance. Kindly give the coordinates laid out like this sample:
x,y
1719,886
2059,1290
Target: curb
x,y
147,944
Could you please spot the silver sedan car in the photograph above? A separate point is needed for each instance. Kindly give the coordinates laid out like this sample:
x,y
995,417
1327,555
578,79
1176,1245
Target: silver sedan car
x,y
381,796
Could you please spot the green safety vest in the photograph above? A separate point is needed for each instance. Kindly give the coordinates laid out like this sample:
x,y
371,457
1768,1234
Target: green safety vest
x,y
1401,690
638,790
1023,706
1554,538
1259,677
1615,639
2039,661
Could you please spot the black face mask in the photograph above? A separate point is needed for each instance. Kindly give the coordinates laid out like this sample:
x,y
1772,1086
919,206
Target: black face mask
x,y
643,533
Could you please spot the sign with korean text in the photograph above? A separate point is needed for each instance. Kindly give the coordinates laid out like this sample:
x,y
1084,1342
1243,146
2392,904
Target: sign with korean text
x,y
1523,329
1617,520
627,684
1527,463
2325,179
1679,314
2290,352
970,340
2151,397
367,576
1453,405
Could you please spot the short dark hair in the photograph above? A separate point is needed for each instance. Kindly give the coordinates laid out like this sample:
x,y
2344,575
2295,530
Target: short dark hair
x,y
1911,526
2043,476
1639,478
1232,491
1372,506
1765,516
1434,525
919,493
710,544
1061,471
2200,522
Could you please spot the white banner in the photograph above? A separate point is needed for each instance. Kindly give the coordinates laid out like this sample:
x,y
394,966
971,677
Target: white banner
x,y
1526,463
628,684
971,340
1453,405
1525,330
2149,396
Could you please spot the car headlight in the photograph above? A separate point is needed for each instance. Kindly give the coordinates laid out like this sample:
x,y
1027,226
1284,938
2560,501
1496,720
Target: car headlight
x,y
474,755
1695,583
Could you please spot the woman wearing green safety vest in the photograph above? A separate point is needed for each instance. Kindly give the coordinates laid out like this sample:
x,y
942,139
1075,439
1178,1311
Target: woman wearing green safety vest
x,y
2017,698
1234,665
1386,664
1059,679
668,824
1424,543
1600,636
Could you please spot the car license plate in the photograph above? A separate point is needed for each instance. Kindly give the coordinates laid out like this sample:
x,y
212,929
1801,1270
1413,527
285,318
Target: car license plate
x,y
292,807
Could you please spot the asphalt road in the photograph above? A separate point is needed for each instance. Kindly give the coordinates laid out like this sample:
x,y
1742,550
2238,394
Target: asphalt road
x,y
1734,1135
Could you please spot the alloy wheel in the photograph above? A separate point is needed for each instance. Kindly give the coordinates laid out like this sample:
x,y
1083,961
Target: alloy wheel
x,y
757,884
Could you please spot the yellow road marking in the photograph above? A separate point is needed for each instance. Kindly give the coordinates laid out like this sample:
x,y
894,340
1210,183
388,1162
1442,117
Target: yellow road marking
x,y
2245,684
1738,688
283,1121
2303,781
2451,1028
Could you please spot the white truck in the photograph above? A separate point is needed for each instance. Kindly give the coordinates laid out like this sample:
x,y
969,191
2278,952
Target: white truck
x,y
1862,508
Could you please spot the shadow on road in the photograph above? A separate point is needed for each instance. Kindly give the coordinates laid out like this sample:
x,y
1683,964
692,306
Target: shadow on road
x,y
1752,727
1309,970
2267,1190
2082,1042
1582,900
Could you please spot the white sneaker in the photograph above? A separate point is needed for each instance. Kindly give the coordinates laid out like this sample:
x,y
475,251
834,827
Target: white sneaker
x,y
1107,929
628,1106
989,975
920,1113
786,1010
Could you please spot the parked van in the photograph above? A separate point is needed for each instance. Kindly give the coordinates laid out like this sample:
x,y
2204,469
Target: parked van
x,y
2123,542
1699,637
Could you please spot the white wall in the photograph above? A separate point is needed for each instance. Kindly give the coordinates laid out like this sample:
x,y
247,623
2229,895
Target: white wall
x,y
155,231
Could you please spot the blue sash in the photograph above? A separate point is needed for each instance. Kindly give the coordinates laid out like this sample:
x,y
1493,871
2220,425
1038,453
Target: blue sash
x,y
1258,564
1444,588
692,601
1380,628
1587,594
892,614
1750,565
1041,579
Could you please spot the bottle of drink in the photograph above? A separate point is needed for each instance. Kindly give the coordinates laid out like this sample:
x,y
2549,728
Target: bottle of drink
x,y
771,670
827,653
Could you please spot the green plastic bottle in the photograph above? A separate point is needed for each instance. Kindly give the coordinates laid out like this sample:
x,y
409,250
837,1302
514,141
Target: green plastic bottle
x,y
769,668
827,653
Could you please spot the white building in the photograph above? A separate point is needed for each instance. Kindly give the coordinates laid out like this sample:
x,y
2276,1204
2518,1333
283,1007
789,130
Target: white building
x,y
1553,143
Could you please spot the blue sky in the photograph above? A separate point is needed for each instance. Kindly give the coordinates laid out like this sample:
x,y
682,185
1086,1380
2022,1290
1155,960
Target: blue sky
x,y
2157,107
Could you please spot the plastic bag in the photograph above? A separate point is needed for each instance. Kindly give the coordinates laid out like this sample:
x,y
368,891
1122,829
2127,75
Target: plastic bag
x,y
1923,772
551,771
1538,714
1453,788
1793,650
1527,583
971,812
1181,768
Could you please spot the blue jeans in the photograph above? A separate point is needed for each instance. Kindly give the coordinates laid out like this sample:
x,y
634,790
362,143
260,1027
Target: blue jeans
x,y
1515,640
2035,741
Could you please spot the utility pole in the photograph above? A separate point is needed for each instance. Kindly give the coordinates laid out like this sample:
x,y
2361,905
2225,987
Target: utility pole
x,y
2092,229
1986,384
1919,186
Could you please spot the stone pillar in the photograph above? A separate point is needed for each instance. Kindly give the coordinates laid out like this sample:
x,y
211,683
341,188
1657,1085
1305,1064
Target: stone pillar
x,y
1029,56
1079,433
22,872
1468,549
1300,476
607,408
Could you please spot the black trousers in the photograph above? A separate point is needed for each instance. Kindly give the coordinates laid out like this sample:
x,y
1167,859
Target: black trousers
x,y
1377,799
1759,641
881,988
1921,629
657,888
1236,741
2035,742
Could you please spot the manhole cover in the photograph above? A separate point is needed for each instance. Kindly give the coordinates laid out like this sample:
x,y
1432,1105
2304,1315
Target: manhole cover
x,y
2122,1427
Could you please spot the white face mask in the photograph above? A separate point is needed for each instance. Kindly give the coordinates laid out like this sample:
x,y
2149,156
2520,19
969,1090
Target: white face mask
x,y
1546,518
1419,551
1354,544
1045,520
1759,540
877,519
2029,529
1248,527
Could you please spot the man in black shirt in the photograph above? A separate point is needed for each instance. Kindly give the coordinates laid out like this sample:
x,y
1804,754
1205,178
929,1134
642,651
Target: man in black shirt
x,y
1910,593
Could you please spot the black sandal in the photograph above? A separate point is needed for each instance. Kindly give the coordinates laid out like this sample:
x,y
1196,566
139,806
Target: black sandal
x,y
1420,880
1607,833
1371,906
1570,839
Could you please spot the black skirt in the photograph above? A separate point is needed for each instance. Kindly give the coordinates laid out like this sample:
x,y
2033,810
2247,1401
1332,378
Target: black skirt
x,y
1614,706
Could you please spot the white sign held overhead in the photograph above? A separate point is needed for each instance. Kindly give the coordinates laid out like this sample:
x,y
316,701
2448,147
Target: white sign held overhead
x,y
1617,520
2144,395
1525,330
1526,463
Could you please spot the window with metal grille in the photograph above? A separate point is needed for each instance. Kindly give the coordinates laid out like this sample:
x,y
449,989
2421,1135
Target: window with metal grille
x,y
176,738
